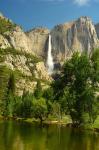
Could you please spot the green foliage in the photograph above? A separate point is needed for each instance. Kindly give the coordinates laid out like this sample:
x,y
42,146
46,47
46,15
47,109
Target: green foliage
x,y
75,89
38,91
11,105
56,110
11,84
8,106
9,97
28,106
74,93
95,65
40,109
48,94
6,25
4,75
24,107
17,106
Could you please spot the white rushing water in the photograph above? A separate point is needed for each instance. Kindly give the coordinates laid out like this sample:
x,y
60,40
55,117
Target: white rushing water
x,y
50,63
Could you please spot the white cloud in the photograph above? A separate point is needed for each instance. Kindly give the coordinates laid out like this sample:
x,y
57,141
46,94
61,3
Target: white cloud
x,y
81,2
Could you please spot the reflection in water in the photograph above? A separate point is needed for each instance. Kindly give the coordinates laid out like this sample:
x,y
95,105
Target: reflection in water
x,y
24,136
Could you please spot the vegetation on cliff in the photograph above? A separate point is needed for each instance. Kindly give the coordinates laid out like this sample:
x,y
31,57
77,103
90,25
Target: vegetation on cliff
x,y
14,52
74,93
6,25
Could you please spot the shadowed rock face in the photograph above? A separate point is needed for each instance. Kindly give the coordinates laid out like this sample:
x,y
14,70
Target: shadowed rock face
x,y
97,29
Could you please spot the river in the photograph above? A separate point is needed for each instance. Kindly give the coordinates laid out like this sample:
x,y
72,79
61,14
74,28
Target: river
x,y
25,136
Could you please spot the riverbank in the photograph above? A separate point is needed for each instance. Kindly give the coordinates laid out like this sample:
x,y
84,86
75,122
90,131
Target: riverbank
x,y
65,121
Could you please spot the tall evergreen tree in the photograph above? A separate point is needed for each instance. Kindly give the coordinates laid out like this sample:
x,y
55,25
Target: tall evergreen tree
x,y
9,96
38,91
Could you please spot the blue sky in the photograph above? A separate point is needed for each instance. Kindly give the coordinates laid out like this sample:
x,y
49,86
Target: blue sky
x,y
47,13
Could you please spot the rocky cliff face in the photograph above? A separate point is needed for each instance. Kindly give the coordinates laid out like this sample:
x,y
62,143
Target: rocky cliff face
x,y
34,41
18,47
28,69
4,42
97,29
18,39
21,52
12,35
79,35
38,40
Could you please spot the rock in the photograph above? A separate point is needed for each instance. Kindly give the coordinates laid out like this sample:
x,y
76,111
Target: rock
x,y
33,41
41,72
18,39
20,62
79,35
28,72
97,29
24,84
17,62
4,42
38,38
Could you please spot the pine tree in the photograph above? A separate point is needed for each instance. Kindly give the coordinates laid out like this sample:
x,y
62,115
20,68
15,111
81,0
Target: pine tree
x,y
38,91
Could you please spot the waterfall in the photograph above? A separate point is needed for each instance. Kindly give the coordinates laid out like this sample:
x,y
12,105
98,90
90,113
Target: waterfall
x,y
50,63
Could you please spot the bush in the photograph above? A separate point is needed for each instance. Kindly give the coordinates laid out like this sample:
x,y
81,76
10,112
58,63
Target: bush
x,y
40,109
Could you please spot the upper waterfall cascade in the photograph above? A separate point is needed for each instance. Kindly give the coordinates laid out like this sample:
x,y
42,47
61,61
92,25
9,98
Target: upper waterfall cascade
x,y
50,63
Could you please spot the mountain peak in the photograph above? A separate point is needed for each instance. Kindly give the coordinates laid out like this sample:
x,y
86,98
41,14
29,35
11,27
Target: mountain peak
x,y
87,18
84,20
42,30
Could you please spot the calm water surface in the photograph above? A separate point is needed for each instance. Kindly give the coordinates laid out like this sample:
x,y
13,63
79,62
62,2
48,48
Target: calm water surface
x,y
25,136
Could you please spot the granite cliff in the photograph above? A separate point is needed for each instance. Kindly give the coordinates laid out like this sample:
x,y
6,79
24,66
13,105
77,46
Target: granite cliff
x,y
79,35
26,52
97,29
17,53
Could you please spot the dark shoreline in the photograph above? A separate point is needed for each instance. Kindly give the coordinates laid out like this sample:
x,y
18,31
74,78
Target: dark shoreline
x,y
48,122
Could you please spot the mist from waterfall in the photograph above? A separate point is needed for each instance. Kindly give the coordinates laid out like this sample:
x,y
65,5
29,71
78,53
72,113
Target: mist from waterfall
x,y
50,63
